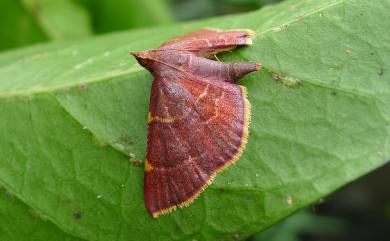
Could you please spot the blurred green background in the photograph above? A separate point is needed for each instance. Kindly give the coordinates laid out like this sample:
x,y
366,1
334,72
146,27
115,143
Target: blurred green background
x,y
359,211
24,22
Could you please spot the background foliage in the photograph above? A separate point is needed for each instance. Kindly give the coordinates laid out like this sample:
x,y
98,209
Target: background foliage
x,y
73,120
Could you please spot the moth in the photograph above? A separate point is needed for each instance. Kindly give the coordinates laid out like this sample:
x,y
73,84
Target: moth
x,y
198,116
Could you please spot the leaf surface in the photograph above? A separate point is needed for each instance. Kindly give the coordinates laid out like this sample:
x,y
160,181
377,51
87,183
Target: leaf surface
x,y
18,222
73,120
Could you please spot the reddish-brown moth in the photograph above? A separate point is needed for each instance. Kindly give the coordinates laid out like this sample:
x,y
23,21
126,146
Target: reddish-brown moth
x,y
198,117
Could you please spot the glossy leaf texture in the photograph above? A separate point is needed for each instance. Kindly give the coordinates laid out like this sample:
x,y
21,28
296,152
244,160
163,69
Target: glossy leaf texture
x,y
73,120
26,22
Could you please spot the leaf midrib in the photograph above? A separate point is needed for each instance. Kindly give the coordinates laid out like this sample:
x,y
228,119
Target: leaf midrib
x,y
136,68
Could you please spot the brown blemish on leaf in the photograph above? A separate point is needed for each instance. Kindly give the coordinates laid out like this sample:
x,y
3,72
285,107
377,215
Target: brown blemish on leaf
x,y
83,87
137,163
348,51
98,142
285,80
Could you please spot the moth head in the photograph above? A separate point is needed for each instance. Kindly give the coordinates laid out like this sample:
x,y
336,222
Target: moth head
x,y
143,57
175,58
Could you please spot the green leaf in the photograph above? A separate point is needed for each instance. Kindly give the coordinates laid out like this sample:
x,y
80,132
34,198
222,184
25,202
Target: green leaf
x,y
112,15
18,222
73,115
29,21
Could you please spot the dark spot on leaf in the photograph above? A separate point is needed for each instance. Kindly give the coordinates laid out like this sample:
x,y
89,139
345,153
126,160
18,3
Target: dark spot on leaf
x,y
83,87
177,228
77,215
221,189
334,93
372,53
381,71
